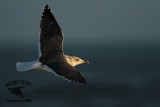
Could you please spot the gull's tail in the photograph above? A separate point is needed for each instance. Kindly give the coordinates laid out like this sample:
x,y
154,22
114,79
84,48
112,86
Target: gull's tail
x,y
25,66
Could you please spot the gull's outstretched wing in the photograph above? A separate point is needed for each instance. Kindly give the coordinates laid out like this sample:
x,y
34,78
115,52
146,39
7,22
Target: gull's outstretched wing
x,y
51,37
67,71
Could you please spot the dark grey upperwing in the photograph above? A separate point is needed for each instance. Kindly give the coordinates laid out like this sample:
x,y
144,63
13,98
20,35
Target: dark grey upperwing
x,y
51,36
67,71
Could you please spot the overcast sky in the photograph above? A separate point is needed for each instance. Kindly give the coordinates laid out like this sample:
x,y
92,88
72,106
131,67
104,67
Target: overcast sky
x,y
83,21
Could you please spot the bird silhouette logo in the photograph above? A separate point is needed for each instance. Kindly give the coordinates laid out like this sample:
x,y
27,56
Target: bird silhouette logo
x,y
17,91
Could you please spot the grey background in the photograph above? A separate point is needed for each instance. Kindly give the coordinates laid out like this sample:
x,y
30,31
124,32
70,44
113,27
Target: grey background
x,y
120,38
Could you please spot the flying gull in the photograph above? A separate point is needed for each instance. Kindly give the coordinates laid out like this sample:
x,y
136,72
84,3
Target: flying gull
x,y
51,55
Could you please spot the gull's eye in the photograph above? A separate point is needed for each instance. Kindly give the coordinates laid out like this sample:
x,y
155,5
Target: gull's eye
x,y
76,59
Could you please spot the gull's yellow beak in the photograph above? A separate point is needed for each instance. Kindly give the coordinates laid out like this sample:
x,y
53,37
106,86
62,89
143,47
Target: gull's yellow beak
x,y
86,62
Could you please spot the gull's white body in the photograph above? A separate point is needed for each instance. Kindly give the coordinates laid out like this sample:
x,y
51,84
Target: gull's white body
x,y
25,66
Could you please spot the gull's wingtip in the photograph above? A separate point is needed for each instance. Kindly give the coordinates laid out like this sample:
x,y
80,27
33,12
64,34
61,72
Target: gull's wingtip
x,y
47,7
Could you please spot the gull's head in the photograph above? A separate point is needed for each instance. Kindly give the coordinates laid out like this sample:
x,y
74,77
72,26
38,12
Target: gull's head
x,y
80,61
73,60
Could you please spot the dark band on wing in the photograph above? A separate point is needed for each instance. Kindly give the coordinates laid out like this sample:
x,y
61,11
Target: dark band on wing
x,y
51,36
68,72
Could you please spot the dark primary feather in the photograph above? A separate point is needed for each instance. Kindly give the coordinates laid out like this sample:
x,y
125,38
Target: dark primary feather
x,y
51,36
67,71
